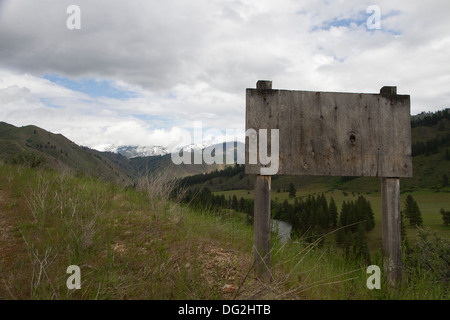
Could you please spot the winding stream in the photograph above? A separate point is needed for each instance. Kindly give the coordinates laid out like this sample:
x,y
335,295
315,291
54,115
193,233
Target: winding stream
x,y
284,229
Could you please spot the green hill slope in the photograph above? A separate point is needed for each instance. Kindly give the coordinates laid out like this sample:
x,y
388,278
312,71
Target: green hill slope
x,y
37,146
31,143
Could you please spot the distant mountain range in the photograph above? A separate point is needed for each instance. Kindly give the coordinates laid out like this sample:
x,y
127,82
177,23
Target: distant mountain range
x,y
146,151
135,151
34,145
31,145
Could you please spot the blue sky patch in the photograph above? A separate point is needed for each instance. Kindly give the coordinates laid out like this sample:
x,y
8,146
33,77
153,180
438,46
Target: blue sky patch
x,y
49,104
327,25
92,87
359,20
342,22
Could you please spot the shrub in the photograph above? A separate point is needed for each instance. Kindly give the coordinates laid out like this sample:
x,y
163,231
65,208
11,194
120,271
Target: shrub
x,y
28,159
431,255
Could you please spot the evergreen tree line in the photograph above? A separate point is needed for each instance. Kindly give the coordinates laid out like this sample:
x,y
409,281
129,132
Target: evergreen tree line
x,y
310,218
355,220
430,119
430,146
313,217
228,172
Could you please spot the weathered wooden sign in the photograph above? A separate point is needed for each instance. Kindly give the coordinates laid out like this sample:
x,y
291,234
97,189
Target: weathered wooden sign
x,y
333,133
329,134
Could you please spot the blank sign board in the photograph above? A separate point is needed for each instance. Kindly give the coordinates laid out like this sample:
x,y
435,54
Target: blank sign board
x,y
333,133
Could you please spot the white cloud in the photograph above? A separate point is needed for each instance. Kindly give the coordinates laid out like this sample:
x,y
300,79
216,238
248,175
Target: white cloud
x,y
192,60
97,121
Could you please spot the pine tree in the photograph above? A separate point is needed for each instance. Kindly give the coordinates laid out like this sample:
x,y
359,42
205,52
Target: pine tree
x,y
292,190
408,205
445,180
340,234
416,219
445,216
234,203
343,219
242,205
317,235
365,213
412,211
348,239
320,217
360,247
353,217
333,212
323,204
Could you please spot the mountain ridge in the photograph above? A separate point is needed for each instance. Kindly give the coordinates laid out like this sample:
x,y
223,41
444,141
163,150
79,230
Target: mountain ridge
x,y
17,144
57,152
430,142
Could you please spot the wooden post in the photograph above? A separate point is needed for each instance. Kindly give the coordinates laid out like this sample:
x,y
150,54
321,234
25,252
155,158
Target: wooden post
x,y
391,229
261,248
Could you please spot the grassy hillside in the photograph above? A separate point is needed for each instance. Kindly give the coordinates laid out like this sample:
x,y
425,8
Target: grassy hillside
x,y
127,246
57,152
37,146
138,244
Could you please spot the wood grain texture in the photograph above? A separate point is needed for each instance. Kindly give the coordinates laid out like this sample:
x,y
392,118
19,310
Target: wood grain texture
x,y
334,134
391,229
261,249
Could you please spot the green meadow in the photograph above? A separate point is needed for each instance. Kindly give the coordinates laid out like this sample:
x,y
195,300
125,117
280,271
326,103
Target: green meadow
x,y
430,203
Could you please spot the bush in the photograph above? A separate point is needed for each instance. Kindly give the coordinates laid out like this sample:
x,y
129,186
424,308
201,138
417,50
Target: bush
x,y
431,254
28,159
445,216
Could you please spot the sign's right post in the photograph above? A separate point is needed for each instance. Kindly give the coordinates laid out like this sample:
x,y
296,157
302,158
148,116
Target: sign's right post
x,y
391,229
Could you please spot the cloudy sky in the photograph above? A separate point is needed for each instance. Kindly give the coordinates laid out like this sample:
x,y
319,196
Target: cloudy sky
x,y
141,72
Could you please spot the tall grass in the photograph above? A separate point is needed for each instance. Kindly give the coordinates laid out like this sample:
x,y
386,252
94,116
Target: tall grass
x,y
129,244
138,244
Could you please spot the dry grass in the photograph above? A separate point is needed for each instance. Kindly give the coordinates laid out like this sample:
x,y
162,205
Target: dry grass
x,y
138,244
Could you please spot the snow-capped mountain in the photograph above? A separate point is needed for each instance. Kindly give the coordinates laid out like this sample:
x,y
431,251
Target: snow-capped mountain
x,y
146,151
135,151
195,147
